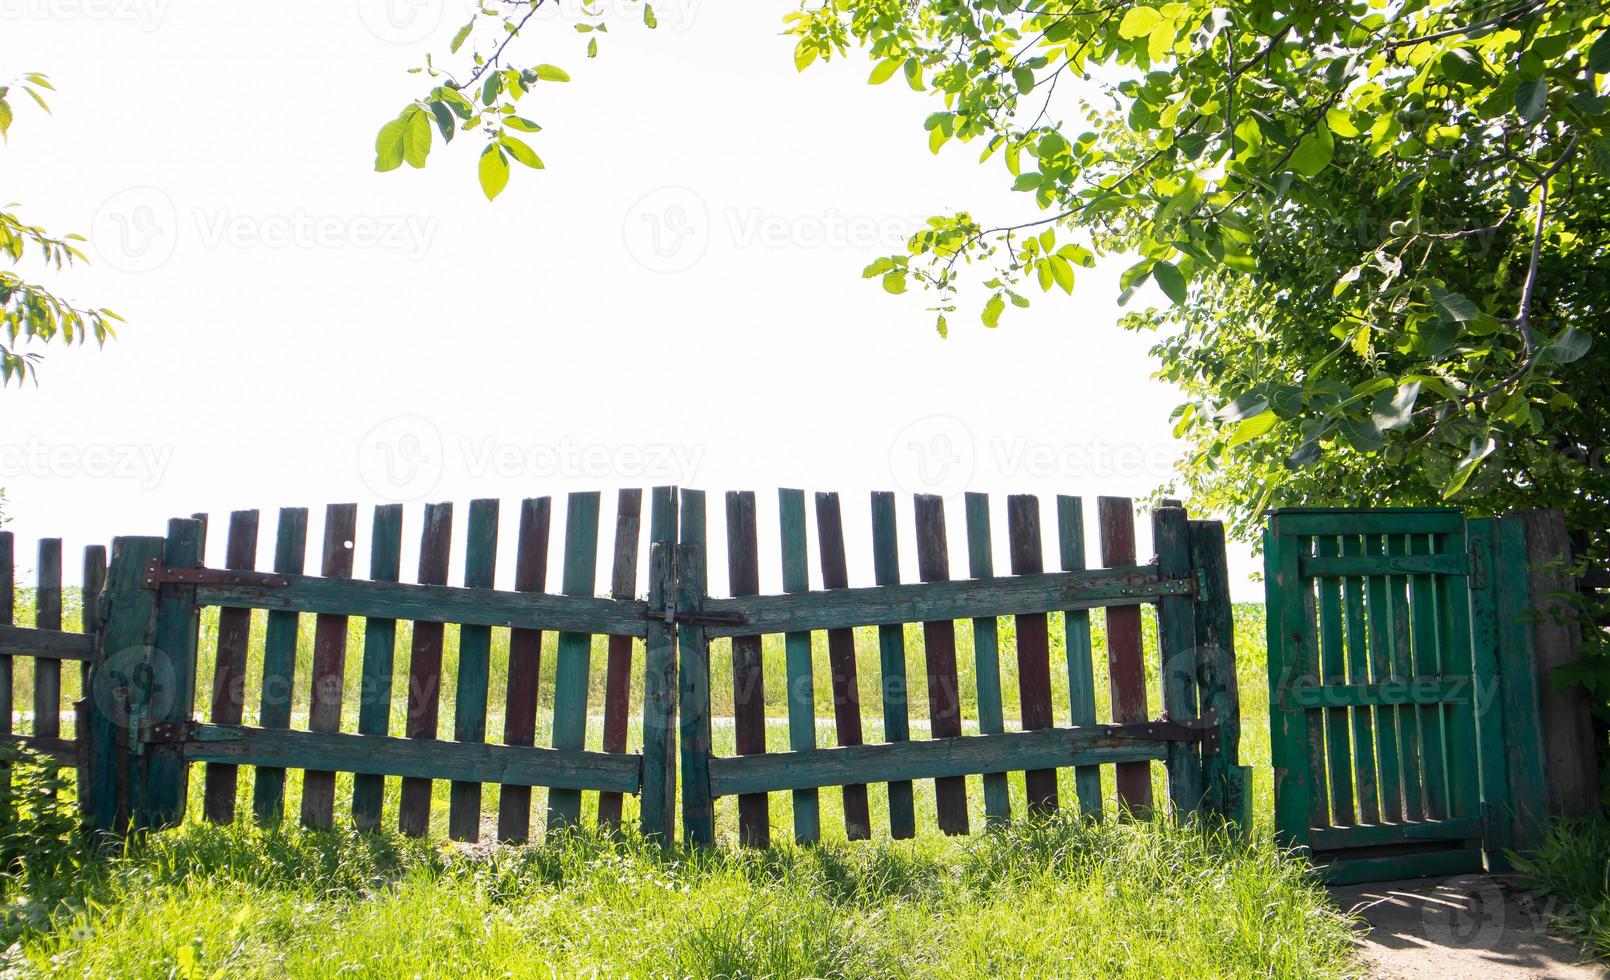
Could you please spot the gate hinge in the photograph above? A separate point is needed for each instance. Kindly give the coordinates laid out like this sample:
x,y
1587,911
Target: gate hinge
x,y
158,574
166,732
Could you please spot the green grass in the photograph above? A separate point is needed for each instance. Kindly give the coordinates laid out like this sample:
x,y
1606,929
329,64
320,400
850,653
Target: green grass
x,y
1056,898
1573,866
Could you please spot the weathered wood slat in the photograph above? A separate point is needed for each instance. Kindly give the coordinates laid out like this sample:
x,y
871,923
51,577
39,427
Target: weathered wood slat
x,y
1358,671
61,750
1497,809
1033,646
986,655
1383,520
425,667
326,684
1379,618
797,661
1377,834
1524,758
1126,586
47,616
130,608
573,656
1428,663
1125,670
379,660
1219,694
25,641
474,669
1288,726
1178,654
279,663
1429,864
748,673
951,757
892,662
172,689
1076,638
693,675
1348,565
421,759
1333,672
94,582
1455,657
8,638
618,668
841,660
1311,666
657,807
525,664
939,650
1403,669
229,670
448,604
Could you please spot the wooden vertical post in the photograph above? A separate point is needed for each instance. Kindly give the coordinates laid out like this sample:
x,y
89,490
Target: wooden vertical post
x,y
987,657
474,668
1076,638
1525,757
1219,700
94,582
618,667
425,667
841,658
1177,656
279,663
329,663
379,658
47,610
748,675
693,675
1033,646
1126,670
172,665
939,650
657,810
525,664
573,654
892,662
229,672
8,612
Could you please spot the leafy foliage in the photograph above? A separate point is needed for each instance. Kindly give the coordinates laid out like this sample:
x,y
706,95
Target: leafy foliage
x,y
40,842
28,311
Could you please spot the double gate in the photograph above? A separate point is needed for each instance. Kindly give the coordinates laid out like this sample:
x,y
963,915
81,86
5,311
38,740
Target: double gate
x,y
286,655
1403,696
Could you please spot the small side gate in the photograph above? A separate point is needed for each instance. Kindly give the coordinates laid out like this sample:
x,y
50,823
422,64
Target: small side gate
x,y
1403,701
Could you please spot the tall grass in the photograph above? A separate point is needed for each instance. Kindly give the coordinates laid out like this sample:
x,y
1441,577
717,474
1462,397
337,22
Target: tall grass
x,y
1573,866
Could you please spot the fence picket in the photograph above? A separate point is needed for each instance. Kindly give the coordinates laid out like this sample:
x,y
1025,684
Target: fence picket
x,y
279,663
658,805
425,667
841,660
329,663
379,660
986,656
939,649
47,612
171,684
1427,663
618,669
1125,670
474,668
693,677
1177,656
1358,672
1033,646
229,670
1076,637
1333,671
1379,619
748,674
892,662
573,657
525,665
1403,671
797,660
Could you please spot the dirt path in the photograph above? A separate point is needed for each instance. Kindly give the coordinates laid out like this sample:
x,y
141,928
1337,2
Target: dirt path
x,y
1474,926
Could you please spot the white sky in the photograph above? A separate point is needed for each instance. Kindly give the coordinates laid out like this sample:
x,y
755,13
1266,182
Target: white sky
x,y
294,316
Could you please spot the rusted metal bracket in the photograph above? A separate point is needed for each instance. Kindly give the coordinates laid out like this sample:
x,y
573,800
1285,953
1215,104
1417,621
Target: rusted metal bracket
x,y
672,615
167,733
1163,730
158,574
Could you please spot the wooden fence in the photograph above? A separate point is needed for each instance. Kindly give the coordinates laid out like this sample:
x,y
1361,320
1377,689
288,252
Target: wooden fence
x,y
256,689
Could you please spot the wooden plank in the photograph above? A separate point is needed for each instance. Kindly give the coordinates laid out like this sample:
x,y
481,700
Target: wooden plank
x,y
987,657
229,669
47,616
470,607
937,758
841,661
1557,639
892,662
939,651
1378,614
8,617
415,759
525,664
379,660
618,668
1219,695
172,688
1033,646
1128,586
325,686
1496,808
1348,565
131,609
1412,691
474,669
1403,669
573,657
1125,670
1312,667
658,808
1438,863
1374,520
1455,658
1358,671
1333,672
693,675
1428,663
748,674
1288,726
1076,638
279,664
1177,658
425,667
1376,835
25,641
1525,756
94,582
797,661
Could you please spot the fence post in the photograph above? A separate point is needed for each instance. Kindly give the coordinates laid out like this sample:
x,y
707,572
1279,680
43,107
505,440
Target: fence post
x,y
1557,637
693,687
172,684
1225,780
127,610
1176,643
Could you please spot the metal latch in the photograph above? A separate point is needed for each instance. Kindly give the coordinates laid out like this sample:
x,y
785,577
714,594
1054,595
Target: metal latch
x,y
158,574
672,615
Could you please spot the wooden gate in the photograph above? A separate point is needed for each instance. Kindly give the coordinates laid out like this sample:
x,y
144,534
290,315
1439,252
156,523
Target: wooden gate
x,y
1402,697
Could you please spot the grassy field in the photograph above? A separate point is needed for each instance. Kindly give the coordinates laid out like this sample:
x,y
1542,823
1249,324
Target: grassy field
x,y
1057,897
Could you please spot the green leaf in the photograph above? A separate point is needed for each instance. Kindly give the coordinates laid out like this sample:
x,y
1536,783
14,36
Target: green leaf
x,y
1062,272
389,146
551,73
1244,406
1362,435
444,121
592,47
1455,306
415,136
1599,54
1024,79
522,124
1314,152
462,35
520,151
1027,182
992,311
1252,428
883,71
5,118
1393,409
1571,345
493,171
1340,123
913,70
649,20
1139,22
804,53
1480,448
491,88
1170,280
1531,98
894,281
878,267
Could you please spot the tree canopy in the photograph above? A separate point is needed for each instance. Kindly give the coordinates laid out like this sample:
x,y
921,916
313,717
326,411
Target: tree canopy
x,y
28,311
1380,224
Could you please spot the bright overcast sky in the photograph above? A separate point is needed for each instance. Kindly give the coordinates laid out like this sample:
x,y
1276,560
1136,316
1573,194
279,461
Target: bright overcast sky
x,y
677,298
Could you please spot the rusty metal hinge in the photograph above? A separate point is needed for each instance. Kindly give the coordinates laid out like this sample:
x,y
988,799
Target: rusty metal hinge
x,y
158,574
167,733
